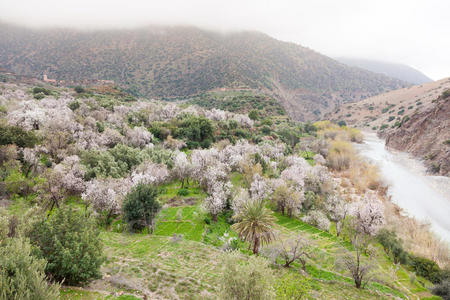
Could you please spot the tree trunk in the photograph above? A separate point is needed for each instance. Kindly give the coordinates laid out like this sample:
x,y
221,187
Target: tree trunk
x,y
338,229
214,217
256,246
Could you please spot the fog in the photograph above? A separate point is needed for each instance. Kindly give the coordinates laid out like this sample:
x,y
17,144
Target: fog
x,y
411,32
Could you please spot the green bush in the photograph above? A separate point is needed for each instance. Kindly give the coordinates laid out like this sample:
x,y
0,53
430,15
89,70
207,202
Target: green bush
x,y
140,207
100,126
253,115
196,131
446,94
74,105
17,135
246,279
70,243
426,268
41,90
183,192
265,130
442,289
115,162
79,89
342,123
39,96
22,275
392,246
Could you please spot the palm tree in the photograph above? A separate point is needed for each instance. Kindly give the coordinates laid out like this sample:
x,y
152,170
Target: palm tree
x,y
255,224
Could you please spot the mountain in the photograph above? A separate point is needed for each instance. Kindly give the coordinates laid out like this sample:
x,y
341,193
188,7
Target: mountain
x,y
399,71
180,62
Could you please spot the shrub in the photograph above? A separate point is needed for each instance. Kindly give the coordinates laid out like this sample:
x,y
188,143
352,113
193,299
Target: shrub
x,y
391,118
74,105
115,162
392,246
22,275
342,123
426,268
340,155
196,130
442,289
253,115
38,89
246,279
183,192
17,135
39,96
140,207
446,94
100,126
79,89
384,126
265,130
70,242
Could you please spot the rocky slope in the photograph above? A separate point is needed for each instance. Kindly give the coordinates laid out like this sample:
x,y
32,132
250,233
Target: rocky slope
x,y
387,110
180,62
427,135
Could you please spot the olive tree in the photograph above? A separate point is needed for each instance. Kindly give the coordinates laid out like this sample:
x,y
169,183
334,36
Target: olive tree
x,y
249,278
140,207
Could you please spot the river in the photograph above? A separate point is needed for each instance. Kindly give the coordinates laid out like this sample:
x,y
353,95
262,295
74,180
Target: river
x,y
420,195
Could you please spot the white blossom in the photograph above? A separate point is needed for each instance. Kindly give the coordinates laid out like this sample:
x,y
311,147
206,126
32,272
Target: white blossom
x,y
139,136
71,174
149,173
318,219
259,189
369,213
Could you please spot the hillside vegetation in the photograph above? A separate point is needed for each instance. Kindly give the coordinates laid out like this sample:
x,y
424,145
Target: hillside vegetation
x,y
178,62
109,197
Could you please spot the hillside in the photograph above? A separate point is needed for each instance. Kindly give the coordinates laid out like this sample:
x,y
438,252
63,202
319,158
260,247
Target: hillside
x,y
426,134
399,71
126,198
389,109
179,62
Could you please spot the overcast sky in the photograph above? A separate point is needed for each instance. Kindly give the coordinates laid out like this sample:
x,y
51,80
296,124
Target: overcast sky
x,y
412,32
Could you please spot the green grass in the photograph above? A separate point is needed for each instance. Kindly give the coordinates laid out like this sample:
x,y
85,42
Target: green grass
x,y
158,264
169,194
328,247
185,220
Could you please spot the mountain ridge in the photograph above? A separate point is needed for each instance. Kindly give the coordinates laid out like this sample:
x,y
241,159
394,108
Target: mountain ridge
x,y
181,61
394,70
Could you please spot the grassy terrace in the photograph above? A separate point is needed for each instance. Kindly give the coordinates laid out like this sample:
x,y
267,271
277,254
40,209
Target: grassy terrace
x,y
189,267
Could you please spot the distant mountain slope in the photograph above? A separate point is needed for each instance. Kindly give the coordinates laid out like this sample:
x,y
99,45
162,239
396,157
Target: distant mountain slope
x,y
399,71
387,110
178,62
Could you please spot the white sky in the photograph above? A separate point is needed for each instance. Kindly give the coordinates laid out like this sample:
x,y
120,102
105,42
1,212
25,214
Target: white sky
x,y
412,32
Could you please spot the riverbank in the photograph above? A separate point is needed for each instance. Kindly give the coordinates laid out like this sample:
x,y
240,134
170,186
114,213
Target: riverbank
x,y
424,197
